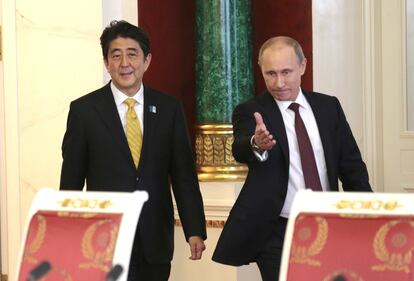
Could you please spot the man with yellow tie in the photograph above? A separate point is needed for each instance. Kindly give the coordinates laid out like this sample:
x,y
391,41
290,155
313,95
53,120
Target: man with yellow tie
x,y
126,137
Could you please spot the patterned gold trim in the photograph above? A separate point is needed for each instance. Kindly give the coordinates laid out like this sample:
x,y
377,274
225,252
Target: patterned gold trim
x,y
375,205
84,215
214,158
209,223
97,259
391,261
359,216
303,254
85,203
37,242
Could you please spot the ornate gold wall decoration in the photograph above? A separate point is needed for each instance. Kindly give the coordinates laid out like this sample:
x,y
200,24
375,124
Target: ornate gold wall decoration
x,y
389,253
214,158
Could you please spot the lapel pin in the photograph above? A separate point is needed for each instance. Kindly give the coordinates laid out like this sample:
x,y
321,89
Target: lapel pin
x,y
152,109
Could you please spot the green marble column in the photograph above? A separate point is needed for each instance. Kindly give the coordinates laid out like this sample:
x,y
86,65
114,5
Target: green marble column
x,y
223,58
224,79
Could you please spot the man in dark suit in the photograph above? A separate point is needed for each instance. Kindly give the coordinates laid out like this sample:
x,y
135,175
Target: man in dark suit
x,y
97,148
266,138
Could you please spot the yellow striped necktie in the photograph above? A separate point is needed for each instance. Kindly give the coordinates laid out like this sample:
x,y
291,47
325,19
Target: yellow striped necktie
x,y
133,131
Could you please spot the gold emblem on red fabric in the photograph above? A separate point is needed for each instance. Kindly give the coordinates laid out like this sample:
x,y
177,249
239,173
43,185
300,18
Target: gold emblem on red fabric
x,y
98,244
393,244
309,239
37,242
346,274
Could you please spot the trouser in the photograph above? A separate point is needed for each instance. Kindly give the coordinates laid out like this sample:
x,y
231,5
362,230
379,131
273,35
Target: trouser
x,y
269,258
141,270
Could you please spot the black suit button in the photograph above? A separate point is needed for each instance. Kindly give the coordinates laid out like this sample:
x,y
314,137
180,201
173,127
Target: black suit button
x,y
137,179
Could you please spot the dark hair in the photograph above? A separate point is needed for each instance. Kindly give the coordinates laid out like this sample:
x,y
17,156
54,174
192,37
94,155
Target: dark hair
x,y
124,29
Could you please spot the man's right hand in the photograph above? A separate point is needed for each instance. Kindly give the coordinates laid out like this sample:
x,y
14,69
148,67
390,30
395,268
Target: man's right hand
x,y
262,138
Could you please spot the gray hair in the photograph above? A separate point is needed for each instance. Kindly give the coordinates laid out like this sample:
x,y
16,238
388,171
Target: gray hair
x,y
282,41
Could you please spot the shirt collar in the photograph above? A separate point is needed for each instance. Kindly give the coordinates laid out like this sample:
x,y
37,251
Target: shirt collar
x,y
300,99
120,97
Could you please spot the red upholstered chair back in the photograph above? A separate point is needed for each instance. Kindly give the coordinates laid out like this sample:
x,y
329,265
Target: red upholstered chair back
x,y
349,236
81,234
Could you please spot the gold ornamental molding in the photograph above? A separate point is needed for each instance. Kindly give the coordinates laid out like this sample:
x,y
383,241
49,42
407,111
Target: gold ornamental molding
x,y
215,161
374,205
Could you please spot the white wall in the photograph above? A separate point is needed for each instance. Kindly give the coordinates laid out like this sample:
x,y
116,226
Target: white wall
x,y
410,64
337,56
52,56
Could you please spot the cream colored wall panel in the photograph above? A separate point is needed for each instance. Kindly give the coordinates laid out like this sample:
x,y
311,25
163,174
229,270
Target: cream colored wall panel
x,y
218,198
393,77
338,56
10,191
59,59
410,64
51,56
63,14
407,162
184,269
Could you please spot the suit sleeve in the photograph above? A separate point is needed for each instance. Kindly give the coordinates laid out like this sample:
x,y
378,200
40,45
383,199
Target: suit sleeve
x,y
244,126
184,180
352,169
74,153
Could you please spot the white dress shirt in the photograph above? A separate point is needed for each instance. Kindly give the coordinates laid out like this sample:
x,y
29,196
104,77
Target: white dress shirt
x,y
120,97
296,179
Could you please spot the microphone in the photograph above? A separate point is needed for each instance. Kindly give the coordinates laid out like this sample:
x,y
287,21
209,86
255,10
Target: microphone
x,y
115,272
39,271
339,278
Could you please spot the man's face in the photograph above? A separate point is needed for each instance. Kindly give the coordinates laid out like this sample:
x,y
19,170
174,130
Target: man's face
x,y
282,72
126,64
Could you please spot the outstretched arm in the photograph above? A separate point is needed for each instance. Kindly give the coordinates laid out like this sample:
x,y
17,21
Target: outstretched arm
x,y
262,138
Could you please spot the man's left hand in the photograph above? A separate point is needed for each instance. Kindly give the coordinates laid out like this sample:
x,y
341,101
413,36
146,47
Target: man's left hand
x,y
196,247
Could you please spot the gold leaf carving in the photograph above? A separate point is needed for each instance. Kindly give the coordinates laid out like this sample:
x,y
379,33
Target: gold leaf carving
x,y
229,154
218,151
199,150
208,151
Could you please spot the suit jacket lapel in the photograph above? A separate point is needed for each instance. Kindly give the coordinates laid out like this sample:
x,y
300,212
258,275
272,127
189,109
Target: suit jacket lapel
x,y
276,124
151,113
107,110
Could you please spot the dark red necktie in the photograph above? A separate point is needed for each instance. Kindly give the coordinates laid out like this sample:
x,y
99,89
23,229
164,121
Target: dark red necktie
x,y
307,158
